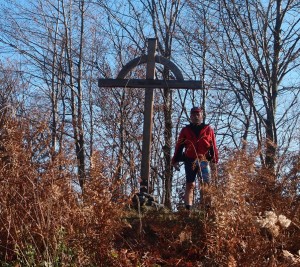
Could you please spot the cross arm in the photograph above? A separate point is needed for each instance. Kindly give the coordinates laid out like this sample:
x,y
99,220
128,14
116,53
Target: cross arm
x,y
150,83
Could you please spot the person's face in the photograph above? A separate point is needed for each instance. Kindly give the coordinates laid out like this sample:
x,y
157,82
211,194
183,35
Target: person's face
x,y
196,117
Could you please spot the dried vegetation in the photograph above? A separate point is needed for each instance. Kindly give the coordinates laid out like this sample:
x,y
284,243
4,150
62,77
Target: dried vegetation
x,y
247,220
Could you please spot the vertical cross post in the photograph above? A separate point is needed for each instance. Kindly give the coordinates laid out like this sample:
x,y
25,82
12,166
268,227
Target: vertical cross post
x,y
148,115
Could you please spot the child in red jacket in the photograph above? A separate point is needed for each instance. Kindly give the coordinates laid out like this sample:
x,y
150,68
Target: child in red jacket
x,y
199,144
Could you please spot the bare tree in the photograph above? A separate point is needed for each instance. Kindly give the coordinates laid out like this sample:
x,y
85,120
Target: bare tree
x,y
254,48
164,16
51,38
266,39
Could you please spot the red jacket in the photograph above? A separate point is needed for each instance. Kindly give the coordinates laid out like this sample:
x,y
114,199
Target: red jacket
x,y
203,145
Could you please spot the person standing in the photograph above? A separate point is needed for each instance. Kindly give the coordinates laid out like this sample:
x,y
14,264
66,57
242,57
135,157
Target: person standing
x,y
196,147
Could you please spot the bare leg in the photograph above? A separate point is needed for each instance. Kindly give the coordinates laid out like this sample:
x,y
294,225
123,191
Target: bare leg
x,y
189,193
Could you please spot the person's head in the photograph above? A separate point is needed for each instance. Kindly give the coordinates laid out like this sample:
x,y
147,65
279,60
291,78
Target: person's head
x,y
196,115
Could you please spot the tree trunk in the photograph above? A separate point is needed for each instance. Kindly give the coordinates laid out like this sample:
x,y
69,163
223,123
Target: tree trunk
x,y
167,147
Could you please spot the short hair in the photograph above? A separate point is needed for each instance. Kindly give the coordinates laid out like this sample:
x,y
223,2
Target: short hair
x,y
196,110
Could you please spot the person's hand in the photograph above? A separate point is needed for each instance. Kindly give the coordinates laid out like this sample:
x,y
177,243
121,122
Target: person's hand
x,y
176,166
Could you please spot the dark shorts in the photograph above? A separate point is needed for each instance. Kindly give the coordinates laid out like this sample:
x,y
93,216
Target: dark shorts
x,y
192,168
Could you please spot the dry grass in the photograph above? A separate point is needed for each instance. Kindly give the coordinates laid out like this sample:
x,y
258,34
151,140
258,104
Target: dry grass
x,y
247,224
44,222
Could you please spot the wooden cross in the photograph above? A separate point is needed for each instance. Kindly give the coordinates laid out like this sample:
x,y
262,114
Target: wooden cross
x,y
149,84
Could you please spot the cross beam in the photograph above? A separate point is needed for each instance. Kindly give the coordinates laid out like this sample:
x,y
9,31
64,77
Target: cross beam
x,y
149,84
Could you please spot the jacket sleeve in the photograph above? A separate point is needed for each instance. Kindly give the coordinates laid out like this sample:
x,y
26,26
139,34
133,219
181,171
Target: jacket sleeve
x,y
178,153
